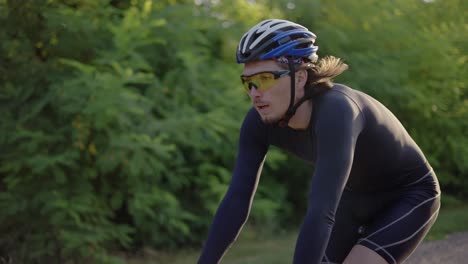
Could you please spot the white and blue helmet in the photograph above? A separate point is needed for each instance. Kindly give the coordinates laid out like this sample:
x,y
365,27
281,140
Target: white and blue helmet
x,y
276,38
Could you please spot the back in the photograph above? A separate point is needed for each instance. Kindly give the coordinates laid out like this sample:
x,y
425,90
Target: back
x,y
385,155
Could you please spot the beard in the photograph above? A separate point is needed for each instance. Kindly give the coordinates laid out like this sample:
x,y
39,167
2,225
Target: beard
x,y
270,119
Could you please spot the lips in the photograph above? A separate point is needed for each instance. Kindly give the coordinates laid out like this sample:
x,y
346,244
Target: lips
x,y
262,106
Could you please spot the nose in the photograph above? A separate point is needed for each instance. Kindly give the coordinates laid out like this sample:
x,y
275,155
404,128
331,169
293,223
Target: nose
x,y
254,92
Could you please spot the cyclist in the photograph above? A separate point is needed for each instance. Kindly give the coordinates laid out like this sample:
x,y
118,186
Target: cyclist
x,y
373,195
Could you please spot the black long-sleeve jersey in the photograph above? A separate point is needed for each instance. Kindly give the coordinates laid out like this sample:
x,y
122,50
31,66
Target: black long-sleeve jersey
x,y
354,142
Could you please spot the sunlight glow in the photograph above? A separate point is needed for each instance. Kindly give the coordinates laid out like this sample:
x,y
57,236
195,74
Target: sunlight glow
x,y
291,5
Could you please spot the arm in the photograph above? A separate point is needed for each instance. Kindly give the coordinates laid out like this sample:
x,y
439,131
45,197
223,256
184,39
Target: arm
x,y
235,206
338,125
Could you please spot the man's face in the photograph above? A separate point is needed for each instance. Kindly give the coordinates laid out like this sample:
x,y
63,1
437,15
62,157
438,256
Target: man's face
x,y
273,103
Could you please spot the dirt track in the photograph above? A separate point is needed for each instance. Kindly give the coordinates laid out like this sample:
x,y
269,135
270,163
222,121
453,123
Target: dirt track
x,y
452,250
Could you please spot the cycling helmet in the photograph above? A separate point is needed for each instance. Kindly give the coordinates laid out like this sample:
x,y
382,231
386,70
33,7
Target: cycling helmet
x,y
275,38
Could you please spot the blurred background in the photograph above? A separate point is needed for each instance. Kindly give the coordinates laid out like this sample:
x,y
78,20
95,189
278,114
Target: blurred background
x,y
120,118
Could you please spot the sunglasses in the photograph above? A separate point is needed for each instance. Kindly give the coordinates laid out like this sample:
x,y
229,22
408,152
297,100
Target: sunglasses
x,y
262,81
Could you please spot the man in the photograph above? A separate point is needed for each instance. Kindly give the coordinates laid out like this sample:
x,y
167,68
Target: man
x,y
373,196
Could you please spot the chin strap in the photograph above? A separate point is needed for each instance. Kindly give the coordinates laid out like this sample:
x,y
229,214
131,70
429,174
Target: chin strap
x,y
283,122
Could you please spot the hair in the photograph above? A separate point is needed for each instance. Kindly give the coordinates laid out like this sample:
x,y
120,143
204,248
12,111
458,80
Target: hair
x,y
320,74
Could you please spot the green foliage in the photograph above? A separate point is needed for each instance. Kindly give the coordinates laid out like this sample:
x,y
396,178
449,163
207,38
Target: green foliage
x,y
120,118
116,130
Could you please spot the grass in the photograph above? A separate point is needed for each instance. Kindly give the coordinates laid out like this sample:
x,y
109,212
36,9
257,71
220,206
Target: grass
x,y
449,221
250,249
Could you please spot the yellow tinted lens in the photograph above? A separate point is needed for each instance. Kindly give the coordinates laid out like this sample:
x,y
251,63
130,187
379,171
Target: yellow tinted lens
x,y
262,81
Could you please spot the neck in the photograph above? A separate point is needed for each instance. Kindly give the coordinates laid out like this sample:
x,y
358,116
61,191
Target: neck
x,y
300,120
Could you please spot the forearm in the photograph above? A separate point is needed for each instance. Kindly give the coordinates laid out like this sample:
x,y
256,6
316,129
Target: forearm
x,y
228,221
313,237
324,197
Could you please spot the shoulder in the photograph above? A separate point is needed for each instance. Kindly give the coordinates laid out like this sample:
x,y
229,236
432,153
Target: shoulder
x,y
253,128
338,98
252,120
338,108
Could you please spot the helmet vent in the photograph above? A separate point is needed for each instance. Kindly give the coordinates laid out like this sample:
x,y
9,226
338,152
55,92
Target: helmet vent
x,y
284,40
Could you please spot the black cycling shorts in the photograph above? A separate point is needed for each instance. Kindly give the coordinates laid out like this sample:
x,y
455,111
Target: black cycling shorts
x,y
391,224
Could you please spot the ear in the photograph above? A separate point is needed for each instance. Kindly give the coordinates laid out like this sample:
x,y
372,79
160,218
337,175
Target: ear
x,y
301,78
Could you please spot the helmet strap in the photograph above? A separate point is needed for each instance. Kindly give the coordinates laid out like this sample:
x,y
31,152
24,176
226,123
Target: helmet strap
x,y
283,122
